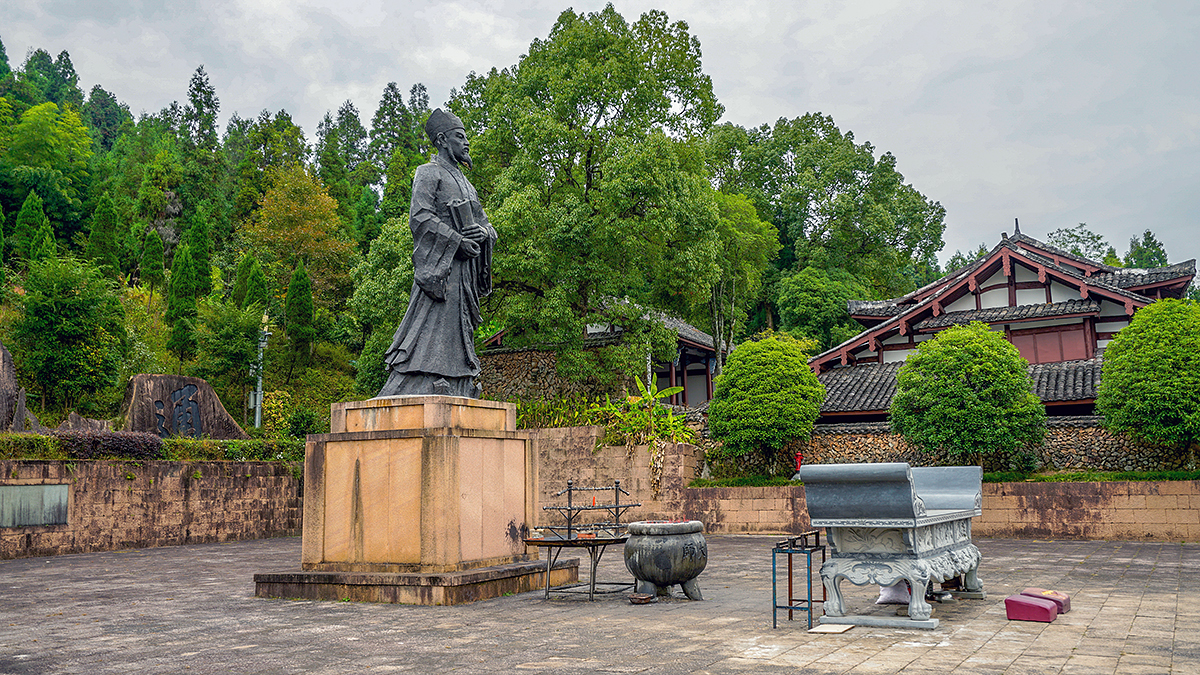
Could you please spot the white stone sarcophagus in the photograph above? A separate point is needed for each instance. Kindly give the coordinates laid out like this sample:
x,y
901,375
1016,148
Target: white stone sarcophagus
x,y
890,522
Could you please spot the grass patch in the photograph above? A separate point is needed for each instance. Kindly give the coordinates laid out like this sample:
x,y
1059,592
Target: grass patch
x,y
744,481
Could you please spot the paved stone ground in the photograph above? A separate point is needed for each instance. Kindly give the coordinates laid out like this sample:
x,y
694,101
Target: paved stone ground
x,y
191,609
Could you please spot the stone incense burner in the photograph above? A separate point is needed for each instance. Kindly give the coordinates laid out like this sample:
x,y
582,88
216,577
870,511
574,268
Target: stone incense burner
x,y
661,554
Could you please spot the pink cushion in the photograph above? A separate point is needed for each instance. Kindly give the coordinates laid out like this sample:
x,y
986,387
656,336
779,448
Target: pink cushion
x,y
1061,599
1026,608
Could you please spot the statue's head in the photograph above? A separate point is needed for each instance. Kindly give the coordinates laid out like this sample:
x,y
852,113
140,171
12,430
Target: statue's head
x,y
446,132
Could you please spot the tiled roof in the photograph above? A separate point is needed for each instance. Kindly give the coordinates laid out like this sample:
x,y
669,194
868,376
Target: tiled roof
x,y
1018,313
870,387
685,330
1133,277
1066,380
873,307
866,387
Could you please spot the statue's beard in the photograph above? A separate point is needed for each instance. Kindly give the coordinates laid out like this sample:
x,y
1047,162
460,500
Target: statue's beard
x,y
464,159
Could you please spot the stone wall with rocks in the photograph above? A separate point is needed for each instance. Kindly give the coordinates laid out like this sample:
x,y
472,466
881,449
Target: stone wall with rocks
x,y
1072,443
509,374
119,505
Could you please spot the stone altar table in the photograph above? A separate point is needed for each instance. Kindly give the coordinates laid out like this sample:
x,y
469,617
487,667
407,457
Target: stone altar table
x,y
889,522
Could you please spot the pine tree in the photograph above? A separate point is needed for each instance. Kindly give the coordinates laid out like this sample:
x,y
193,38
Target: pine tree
x,y
199,241
29,221
298,316
241,278
153,272
102,241
181,305
368,219
43,246
3,280
256,287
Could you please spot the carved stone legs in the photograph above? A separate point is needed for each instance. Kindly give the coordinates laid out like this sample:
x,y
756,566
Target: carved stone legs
x,y
691,589
918,608
834,604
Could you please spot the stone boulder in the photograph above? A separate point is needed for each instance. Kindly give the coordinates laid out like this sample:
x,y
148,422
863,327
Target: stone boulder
x,y
8,389
170,405
77,422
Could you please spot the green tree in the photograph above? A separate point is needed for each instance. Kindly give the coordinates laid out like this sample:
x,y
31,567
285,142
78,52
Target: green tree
x,y
812,303
835,204
592,170
152,268
395,129
1150,385
106,115
766,398
367,218
69,335
960,259
382,282
241,278
1146,253
257,291
1079,240
227,345
181,306
5,69
44,246
50,148
199,241
102,246
967,392
30,220
299,315
747,246
1112,259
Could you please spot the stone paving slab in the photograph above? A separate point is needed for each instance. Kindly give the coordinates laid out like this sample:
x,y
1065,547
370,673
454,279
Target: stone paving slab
x,y
191,609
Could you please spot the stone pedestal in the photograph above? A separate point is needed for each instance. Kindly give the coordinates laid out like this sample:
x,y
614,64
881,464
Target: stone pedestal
x,y
417,499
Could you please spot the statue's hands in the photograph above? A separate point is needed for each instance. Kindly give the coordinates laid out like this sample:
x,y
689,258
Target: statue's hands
x,y
469,247
475,232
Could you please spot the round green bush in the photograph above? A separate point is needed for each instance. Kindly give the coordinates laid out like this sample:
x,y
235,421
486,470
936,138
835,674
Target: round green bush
x,y
766,397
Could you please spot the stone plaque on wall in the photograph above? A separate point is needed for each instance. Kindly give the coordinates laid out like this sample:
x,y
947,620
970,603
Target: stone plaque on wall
x,y
170,405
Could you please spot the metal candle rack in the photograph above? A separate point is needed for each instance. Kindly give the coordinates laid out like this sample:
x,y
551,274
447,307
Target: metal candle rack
x,y
570,512
806,544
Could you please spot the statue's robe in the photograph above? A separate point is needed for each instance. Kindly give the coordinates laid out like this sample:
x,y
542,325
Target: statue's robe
x,y
433,350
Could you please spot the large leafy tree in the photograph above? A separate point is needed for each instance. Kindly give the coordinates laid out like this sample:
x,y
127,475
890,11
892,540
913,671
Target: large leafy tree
x,y
298,220
1080,240
967,393
836,205
766,398
49,149
382,282
747,246
812,302
70,334
227,345
588,164
106,115
271,144
1150,385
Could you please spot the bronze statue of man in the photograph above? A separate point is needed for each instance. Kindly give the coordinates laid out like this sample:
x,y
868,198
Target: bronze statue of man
x,y
433,350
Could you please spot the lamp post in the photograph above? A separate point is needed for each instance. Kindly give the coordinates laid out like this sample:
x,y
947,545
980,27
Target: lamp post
x,y
257,396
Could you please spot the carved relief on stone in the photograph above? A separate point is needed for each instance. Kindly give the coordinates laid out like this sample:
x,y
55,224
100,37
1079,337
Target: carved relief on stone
x,y
868,540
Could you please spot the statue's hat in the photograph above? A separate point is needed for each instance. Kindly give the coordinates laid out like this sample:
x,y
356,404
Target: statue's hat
x,y
441,121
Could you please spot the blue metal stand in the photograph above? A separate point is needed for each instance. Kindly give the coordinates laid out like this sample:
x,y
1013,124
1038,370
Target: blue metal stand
x,y
806,544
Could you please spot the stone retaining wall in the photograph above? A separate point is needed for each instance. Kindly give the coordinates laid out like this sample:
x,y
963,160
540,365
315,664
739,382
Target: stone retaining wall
x,y
1072,443
118,505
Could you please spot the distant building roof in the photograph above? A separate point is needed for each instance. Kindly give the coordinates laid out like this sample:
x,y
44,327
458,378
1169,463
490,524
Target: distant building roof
x,y
870,387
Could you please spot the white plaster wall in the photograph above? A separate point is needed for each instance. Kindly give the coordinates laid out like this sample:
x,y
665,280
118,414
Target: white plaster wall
x,y
896,339
1111,327
965,303
996,298
1024,273
898,355
996,278
1110,308
1061,293
1031,296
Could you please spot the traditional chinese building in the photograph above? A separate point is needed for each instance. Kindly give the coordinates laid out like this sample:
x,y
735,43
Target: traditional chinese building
x,y
1058,309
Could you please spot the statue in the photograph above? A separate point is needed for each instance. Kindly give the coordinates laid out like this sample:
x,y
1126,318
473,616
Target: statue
x,y
433,350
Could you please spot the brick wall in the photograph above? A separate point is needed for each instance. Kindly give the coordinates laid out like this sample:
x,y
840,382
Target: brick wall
x,y
118,505
1150,511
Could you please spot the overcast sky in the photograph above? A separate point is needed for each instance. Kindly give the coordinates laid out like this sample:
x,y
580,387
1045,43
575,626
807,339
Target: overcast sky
x,y
1052,112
